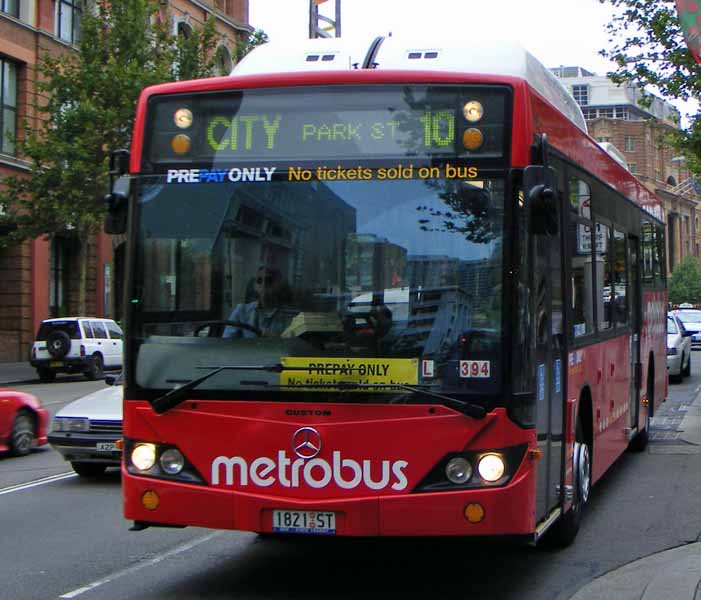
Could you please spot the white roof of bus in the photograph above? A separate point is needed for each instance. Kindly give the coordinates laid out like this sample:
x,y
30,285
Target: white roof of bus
x,y
492,57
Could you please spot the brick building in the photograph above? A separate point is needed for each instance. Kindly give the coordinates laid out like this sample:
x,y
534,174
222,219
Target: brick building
x,y
39,278
641,134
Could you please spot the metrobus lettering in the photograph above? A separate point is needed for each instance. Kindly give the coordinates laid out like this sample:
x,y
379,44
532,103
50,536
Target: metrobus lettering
x,y
220,175
317,473
237,133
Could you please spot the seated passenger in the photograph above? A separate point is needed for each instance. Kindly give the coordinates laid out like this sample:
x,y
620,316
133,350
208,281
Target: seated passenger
x,y
263,314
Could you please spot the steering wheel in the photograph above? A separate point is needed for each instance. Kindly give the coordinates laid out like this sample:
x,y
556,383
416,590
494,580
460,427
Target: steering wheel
x,y
217,328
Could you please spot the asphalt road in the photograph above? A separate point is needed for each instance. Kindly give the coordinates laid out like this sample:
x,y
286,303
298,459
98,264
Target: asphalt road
x,y
65,538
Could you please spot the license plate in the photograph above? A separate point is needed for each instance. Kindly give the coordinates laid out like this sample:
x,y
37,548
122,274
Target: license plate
x,y
105,446
55,363
304,521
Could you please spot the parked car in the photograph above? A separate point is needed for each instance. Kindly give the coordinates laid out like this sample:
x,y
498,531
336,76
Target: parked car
x,y
23,422
691,319
678,349
85,432
76,345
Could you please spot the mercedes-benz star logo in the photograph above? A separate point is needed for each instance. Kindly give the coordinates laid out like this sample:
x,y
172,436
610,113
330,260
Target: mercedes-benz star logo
x,y
306,442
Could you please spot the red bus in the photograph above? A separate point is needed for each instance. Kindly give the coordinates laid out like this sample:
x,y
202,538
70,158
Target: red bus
x,y
394,293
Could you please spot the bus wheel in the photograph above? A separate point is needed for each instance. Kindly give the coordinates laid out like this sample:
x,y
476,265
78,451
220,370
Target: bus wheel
x,y
566,528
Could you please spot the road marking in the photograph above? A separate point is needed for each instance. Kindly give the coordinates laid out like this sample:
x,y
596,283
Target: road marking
x,y
30,484
146,563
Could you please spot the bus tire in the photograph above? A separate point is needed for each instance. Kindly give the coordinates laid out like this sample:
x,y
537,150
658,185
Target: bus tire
x,y
565,530
639,442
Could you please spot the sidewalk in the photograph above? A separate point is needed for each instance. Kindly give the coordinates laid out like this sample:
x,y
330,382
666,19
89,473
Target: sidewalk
x,y
673,574
18,372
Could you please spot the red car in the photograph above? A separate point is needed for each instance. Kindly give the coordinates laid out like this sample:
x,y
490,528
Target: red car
x,y
23,422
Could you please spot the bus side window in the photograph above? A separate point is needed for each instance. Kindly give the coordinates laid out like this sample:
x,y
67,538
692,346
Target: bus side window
x,y
581,259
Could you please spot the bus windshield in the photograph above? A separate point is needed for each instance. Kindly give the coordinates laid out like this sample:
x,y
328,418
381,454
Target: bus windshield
x,y
368,282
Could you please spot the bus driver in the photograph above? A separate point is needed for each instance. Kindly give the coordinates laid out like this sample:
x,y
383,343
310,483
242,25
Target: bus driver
x,y
264,315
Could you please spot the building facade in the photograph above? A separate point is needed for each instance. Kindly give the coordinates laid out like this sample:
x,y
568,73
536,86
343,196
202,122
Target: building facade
x,y
39,278
614,114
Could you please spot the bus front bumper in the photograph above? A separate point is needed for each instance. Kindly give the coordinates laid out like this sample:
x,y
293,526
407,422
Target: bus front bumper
x,y
508,510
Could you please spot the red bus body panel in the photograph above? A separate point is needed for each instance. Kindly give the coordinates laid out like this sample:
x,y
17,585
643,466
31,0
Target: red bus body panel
x,y
418,435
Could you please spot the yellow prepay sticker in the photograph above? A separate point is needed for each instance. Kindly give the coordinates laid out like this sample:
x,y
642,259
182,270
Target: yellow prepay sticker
x,y
327,372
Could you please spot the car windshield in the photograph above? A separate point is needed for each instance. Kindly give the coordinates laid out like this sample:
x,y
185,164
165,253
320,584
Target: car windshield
x,y
69,327
671,326
689,316
366,282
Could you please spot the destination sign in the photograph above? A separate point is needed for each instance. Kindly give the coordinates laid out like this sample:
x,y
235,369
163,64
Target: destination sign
x,y
334,122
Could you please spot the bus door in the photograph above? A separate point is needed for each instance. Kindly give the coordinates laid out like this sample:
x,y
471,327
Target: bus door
x,y
634,318
549,362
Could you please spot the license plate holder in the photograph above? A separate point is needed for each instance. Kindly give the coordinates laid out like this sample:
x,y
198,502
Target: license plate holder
x,y
56,363
105,447
312,522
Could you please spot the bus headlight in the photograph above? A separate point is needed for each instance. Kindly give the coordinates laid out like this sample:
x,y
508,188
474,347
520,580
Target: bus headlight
x,y
491,467
172,461
458,470
143,456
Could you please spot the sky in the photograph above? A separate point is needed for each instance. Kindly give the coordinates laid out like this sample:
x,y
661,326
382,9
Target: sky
x,y
557,32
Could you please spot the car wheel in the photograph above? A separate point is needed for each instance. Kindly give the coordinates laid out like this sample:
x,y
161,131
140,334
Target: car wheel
x,y
96,369
23,434
46,375
86,469
686,371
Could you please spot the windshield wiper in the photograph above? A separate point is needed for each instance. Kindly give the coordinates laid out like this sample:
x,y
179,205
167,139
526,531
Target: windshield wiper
x,y
466,408
175,396
178,395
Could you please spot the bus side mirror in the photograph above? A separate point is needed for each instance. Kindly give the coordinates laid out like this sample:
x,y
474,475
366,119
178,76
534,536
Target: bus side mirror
x,y
540,198
117,202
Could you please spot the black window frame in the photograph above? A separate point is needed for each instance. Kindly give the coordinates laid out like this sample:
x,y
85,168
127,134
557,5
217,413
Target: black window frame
x,y
5,7
7,146
75,7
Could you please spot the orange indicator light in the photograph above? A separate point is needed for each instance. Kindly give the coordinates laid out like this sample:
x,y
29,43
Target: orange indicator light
x,y
474,513
150,500
472,139
180,144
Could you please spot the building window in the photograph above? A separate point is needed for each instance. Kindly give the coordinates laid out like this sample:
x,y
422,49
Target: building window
x,y
184,29
11,7
8,106
69,16
606,113
223,63
581,94
621,113
603,138
629,143
57,279
633,167
589,113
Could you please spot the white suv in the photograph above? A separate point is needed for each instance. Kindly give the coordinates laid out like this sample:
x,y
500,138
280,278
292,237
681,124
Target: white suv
x,y
76,345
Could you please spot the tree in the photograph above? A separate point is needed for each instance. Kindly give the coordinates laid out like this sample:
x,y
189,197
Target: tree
x,y
648,49
86,108
685,282
256,38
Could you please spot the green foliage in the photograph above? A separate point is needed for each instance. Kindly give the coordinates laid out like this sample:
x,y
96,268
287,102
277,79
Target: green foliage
x,y
256,38
86,104
685,282
648,48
